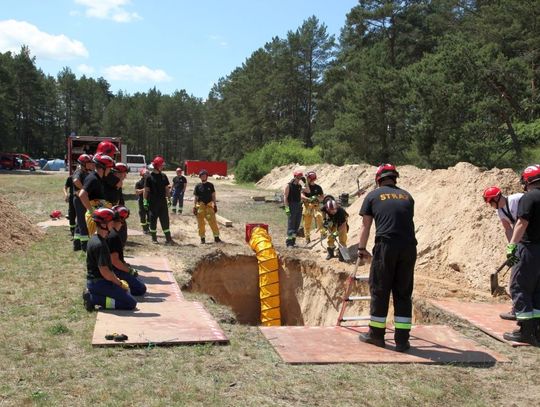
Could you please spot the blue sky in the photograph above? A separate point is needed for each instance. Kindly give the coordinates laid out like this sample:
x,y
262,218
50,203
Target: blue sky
x,y
138,44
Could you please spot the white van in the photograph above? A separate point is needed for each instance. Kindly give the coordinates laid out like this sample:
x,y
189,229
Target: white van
x,y
135,162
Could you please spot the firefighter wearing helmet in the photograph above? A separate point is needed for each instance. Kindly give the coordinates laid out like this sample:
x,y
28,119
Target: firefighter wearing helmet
x,y
116,247
335,225
85,166
507,207
108,148
523,252
139,191
312,205
92,195
205,207
292,198
103,287
394,256
179,184
157,200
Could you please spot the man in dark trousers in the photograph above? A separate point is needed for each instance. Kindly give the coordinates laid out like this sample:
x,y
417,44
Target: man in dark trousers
x,y
178,189
523,252
205,206
104,288
68,197
139,191
394,257
293,205
157,200
86,166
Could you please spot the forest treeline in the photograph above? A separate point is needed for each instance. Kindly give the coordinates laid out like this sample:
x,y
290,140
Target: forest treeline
x,y
422,82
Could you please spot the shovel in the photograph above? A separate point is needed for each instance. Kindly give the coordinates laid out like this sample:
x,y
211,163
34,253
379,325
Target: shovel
x,y
496,289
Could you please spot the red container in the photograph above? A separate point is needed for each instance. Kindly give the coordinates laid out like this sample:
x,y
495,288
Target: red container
x,y
251,226
213,167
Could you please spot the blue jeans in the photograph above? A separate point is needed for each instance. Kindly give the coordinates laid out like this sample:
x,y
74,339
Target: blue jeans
x,y
136,286
109,295
178,197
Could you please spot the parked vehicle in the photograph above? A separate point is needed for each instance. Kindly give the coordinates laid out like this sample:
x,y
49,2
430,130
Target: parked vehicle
x,y
135,162
77,145
18,161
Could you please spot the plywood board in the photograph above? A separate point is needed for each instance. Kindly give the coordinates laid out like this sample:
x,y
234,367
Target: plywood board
x,y
322,345
162,323
484,316
224,221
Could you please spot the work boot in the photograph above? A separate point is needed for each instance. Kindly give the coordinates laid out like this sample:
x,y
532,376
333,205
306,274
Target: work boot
x,y
173,210
293,241
330,254
401,338
374,336
289,242
168,239
509,316
154,237
217,239
308,240
145,229
84,245
180,211
76,245
526,333
340,256
203,240
87,301
402,347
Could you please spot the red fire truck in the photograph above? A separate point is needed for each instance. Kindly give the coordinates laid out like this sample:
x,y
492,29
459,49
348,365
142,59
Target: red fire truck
x,y
77,145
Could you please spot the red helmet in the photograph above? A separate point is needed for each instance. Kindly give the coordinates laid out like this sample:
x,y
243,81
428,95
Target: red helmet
x,y
179,169
330,204
121,167
530,174
311,175
142,172
107,148
84,159
103,161
384,171
103,215
56,214
120,212
158,162
298,174
492,194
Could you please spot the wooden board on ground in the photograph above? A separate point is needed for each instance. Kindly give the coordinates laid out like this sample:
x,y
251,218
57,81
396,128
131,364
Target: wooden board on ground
x,y
52,222
322,345
484,316
258,198
161,323
224,221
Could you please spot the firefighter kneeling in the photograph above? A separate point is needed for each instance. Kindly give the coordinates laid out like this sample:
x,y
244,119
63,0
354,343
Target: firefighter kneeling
x,y
336,225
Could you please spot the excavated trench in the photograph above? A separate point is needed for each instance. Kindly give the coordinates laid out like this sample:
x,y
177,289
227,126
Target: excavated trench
x,y
310,294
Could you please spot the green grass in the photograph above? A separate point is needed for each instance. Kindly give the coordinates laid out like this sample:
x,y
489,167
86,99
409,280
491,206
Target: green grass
x,y
46,357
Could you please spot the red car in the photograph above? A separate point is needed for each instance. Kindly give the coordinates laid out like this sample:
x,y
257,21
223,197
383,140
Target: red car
x,y
18,161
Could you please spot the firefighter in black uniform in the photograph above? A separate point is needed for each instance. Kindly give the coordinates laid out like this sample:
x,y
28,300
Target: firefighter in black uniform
x,y
394,257
157,200
312,205
103,287
523,252
336,226
68,197
86,166
116,246
205,206
92,195
293,205
139,191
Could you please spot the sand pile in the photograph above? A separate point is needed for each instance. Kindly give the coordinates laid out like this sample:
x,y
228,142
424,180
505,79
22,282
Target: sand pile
x,y
460,239
18,231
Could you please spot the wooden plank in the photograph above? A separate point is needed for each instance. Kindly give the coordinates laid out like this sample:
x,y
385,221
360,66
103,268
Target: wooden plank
x,y
224,221
334,344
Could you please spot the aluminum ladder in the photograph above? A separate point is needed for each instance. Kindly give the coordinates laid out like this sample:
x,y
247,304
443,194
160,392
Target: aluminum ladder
x,y
348,298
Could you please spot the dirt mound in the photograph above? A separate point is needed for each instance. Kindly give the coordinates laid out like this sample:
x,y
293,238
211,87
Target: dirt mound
x,y
18,230
460,239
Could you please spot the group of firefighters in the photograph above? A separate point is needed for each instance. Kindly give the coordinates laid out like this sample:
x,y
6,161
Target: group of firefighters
x,y
100,230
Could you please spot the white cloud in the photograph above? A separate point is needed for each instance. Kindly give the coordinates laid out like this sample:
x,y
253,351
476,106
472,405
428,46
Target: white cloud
x,y
219,40
86,69
135,74
14,34
109,10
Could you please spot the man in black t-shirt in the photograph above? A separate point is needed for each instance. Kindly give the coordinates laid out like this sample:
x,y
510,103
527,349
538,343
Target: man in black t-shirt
x,y
68,197
104,288
80,237
335,224
116,247
312,205
523,252
139,191
292,195
205,207
157,199
394,257
178,189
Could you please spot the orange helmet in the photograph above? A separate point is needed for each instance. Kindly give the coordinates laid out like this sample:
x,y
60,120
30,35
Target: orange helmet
x,y
492,194
107,148
385,171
